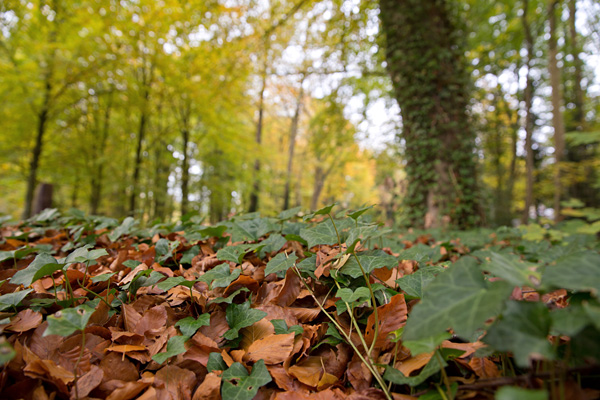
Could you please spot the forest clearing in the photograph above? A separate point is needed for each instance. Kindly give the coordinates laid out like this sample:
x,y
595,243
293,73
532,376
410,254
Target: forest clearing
x,y
299,199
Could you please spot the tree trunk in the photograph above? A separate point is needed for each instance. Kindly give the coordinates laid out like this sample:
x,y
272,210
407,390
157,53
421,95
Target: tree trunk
x,y
98,176
36,154
529,123
292,144
319,183
43,198
578,73
557,100
185,171
254,195
425,60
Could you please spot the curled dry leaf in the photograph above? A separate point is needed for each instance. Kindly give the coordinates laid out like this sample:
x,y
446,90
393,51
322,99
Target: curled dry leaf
x,y
87,383
174,383
209,389
412,364
24,321
127,391
272,349
115,366
392,316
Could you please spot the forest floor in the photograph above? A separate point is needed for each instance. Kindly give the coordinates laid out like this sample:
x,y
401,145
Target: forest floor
x,y
329,306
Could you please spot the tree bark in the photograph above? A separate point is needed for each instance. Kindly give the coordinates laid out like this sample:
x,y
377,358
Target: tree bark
x,y
529,123
37,152
557,100
320,176
98,176
185,171
292,144
425,60
254,195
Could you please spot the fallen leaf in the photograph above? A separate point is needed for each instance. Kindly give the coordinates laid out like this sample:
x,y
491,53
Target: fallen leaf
x,y
272,349
209,389
392,316
24,321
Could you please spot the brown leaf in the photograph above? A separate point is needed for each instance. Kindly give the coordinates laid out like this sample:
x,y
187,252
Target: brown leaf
x,y
87,383
174,383
392,316
305,315
242,282
153,320
484,367
24,321
256,331
218,326
358,374
284,381
209,389
128,391
117,367
468,348
290,290
308,371
272,349
48,370
408,366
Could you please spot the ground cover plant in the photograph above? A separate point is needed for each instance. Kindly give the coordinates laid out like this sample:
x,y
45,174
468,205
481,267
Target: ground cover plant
x,y
327,306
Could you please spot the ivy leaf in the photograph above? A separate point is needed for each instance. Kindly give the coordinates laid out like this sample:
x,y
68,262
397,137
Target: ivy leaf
x,y
512,270
240,316
355,214
7,352
370,260
272,244
323,233
228,299
17,254
215,362
364,233
13,299
580,271
27,276
103,277
220,276
170,283
413,284
189,255
281,262
287,214
458,298
238,385
281,327
421,253
523,329
427,344
175,346
125,228
233,253
322,211
518,393
69,320
570,320
189,325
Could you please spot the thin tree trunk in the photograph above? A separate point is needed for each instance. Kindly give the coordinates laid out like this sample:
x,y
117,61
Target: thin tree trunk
x,y
557,99
96,183
578,90
185,170
254,196
138,163
35,155
317,187
529,123
293,134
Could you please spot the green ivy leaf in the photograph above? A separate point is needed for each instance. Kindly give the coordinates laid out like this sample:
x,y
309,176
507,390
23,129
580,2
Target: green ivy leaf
x,y
323,233
189,325
512,270
523,329
518,393
281,327
281,262
103,277
13,299
170,283
355,214
125,228
272,244
27,276
322,211
220,276
290,213
215,362
240,316
413,284
233,253
580,271
458,298
175,346
69,320
370,260
238,385
189,255
7,352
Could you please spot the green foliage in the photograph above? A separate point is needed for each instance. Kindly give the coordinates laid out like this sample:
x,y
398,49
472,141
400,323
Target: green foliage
x,y
240,316
12,300
69,320
189,325
175,346
281,262
239,385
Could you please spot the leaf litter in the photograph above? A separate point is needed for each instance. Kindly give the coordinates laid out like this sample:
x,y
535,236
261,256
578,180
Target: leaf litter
x,y
271,308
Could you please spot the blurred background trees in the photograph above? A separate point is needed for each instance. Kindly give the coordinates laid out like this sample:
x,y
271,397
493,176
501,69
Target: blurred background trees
x,y
161,108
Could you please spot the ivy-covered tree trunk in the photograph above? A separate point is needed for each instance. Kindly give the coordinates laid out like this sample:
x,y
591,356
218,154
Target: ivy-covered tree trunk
x,y
425,60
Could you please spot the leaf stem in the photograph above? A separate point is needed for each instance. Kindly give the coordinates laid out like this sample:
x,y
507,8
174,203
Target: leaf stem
x,y
373,300
336,231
